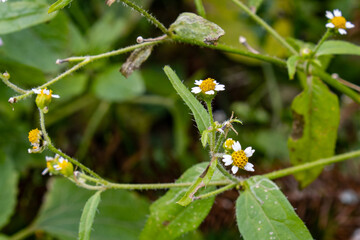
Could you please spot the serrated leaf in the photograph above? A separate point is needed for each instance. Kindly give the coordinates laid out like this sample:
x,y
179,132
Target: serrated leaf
x,y
17,15
263,212
88,215
195,28
201,116
60,4
291,65
110,85
137,57
8,186
116,219
338,47
168,220
315,123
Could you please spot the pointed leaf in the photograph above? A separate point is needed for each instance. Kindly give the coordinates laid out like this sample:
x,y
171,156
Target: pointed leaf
x,y
205,137
338,47
8,186
195,28
17,15
60,4
315,122
201,116
88,215
291,65
263,212
168,220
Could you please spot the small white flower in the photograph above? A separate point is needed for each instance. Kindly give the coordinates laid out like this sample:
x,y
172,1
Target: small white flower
x,y
239,158
45,92
337,21
208,86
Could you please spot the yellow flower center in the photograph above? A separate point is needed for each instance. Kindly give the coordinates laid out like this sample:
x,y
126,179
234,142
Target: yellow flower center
x,y
339,22
34,135
207,85
239,158
228,143
48,96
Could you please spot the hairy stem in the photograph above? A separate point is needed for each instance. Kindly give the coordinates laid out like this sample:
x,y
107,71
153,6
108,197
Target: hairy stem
x,y
147,15
55,150
307,166
266,26
216,192
200,8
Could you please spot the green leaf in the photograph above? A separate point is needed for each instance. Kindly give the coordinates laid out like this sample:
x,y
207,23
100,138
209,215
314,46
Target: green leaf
x,y
17,15
88,215
291,65
263,212
195,28
169,220
338,47
201,116
110,85
39,46
116,219
315,123
60,4
8,186
137,57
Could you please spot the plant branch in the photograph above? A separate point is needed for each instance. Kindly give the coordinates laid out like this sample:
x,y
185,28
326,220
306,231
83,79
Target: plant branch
x,y
307,166
55,150
216,192
266,26
5,78
147,15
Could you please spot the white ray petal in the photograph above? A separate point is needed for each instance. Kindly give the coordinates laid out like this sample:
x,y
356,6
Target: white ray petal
x,y
236,146
330,25
337,13
329,15
211,92
234,169
249,152
342,31
349,25
249,167
196,90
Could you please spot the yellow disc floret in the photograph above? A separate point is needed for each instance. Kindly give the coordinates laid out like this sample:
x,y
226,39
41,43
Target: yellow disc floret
x,y
228,144
34,136
239,159
339,22
207,85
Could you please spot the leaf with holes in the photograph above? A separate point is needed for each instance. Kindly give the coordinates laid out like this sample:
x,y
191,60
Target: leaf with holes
x,y
263,212
315,123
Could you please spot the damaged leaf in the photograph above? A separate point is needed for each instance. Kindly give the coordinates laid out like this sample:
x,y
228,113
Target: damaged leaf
x,y
137,57
195,28
316,120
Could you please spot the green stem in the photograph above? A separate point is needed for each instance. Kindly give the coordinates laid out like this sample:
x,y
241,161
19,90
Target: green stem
x,y
226,173
316,71
55,150
147,186
266,26
29,230
321,41
216,192
200,8
310,165
11,85
147,15
91,128
212,140
112,53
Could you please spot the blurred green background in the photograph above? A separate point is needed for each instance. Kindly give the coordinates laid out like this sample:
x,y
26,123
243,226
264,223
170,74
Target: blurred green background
x,y
137,130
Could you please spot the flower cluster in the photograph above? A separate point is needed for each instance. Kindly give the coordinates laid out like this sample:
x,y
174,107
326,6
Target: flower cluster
x,y
337,21
58,165
237,157
36,140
